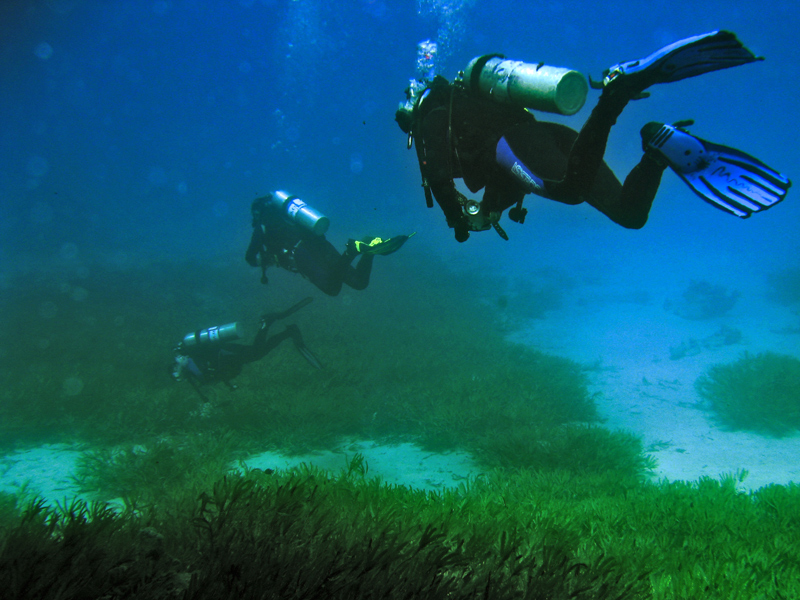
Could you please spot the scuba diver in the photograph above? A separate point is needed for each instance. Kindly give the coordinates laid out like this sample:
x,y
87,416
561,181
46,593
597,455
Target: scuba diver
x,y
479,128
289,234
210,355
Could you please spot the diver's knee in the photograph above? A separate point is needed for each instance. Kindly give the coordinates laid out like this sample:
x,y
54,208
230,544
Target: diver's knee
x,y
359,286
636,222
330,289
564,192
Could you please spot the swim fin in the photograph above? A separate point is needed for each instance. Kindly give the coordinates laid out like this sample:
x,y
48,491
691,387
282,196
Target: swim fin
x,y
308,355
381,246
685,58
724,177
268,319
294,332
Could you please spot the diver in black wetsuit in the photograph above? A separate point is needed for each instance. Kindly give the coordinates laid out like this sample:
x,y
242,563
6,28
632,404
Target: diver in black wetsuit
x,y
478,128
289,234
210,355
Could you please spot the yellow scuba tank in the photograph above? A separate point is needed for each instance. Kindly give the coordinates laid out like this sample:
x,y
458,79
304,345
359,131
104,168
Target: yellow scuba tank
x,y
540,87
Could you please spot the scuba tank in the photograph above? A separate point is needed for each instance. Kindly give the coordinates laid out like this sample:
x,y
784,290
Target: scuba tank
x,y
212,335
297,212
187,366
540,87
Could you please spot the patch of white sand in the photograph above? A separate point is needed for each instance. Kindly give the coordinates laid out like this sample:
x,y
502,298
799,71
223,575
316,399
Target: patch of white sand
x,y
641,389
398,464
46,471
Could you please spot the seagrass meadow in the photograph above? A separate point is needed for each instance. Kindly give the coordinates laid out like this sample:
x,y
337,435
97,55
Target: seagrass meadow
x,y
759,393
562,508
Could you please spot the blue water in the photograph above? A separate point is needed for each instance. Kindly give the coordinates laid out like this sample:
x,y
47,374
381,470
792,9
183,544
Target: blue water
x,y
141,131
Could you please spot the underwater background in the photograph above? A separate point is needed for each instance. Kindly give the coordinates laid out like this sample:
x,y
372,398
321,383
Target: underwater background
x,y
560,384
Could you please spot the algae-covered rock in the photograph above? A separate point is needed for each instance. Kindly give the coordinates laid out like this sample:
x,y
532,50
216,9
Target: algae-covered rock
x,y
702,300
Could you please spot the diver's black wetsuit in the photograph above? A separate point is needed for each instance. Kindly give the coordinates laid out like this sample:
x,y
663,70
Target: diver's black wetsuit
x,y
277,242
460,135
210,363
225,362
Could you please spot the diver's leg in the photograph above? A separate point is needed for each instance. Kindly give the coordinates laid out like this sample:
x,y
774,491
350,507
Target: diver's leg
x,y
269,318
555,161
586,154
263,345
322,265
358,277
551,148
623,83
588,178
627,204
588,149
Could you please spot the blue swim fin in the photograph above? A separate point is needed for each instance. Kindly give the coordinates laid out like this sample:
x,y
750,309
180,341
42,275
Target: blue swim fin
x,y
724,177
685,58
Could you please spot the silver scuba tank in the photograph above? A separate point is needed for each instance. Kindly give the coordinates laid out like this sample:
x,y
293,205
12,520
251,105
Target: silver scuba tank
x,y
301,214
540,87
212,335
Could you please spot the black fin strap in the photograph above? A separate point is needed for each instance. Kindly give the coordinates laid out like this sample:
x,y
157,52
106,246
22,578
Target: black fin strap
x,y
500,231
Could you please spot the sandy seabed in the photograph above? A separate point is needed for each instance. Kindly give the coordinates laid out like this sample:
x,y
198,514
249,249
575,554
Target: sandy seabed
x,y
641,388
